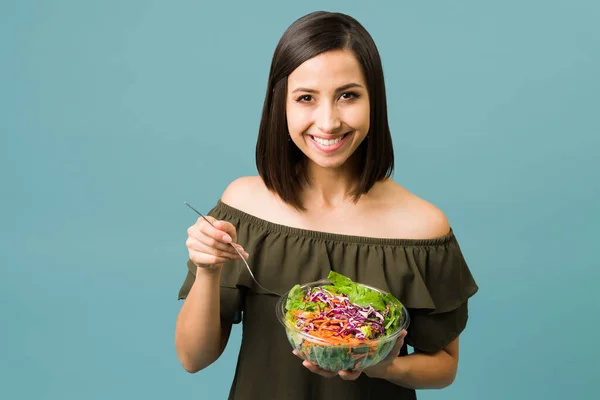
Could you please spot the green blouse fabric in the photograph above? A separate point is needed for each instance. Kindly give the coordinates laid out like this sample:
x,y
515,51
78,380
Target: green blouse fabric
x,y
429,276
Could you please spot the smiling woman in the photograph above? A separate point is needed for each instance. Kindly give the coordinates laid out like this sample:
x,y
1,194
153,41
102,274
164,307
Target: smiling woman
x,y
323,202
326,87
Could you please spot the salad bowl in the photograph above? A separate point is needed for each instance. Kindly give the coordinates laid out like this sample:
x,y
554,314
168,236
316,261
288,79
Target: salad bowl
x,y
338,324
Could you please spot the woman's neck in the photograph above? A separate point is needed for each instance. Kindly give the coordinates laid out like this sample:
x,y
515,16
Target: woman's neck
x,y
328,188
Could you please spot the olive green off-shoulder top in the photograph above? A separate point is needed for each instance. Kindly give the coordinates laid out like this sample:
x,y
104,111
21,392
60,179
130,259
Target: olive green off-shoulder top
x,y
429,276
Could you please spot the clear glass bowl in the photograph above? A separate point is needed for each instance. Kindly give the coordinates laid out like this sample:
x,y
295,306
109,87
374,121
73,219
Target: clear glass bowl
x,y
337,357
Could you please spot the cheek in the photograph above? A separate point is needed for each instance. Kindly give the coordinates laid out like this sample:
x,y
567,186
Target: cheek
x,y
298,120
358,118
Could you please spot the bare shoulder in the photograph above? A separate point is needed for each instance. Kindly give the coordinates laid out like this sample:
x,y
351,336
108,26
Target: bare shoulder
x,y
430,220
243,191
413,216
247,194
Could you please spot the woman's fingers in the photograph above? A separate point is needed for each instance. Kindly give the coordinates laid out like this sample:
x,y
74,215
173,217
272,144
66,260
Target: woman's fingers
x,y
208,244
241,250
206,259
228,228
214,244
399,343
313,368
218,235
230,253
345,375
214,236
295,352
317,370
349,375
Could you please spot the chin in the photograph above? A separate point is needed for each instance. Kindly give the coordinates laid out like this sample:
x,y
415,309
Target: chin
x,y
329,163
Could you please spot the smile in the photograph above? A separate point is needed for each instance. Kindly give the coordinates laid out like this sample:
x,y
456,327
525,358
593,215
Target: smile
x,y
326,142
329,142
329,145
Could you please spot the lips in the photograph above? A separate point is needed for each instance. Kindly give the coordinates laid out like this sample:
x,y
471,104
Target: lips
x,y
329,145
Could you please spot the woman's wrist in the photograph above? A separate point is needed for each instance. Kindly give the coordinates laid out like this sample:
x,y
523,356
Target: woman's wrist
x,y
212,271
394,371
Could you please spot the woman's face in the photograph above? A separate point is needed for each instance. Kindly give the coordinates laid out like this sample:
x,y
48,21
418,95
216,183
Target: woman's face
x,y
328,107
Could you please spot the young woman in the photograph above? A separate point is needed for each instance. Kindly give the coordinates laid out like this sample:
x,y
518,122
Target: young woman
x,y
323,201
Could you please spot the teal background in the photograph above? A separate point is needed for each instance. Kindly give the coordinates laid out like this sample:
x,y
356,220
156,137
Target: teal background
x,y
112,114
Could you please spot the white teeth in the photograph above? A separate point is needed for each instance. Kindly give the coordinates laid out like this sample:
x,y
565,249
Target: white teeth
x,y
326,142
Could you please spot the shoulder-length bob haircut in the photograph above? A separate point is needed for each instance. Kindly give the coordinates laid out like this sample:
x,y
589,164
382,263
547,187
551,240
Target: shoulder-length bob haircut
x,y
279,162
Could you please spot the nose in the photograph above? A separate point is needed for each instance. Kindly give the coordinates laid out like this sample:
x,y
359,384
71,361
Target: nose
x,y
328,119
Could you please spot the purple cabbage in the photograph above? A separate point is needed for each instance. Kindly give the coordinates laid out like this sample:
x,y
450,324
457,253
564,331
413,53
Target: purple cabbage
x,y
353,317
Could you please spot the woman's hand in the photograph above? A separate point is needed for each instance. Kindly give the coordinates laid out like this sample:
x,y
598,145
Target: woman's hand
x,y
210,245
372,372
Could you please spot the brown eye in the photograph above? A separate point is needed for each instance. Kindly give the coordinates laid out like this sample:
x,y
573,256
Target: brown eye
x,y
304,98
349,95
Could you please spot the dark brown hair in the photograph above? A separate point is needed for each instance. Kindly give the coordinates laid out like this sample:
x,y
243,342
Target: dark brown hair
x,y
279,162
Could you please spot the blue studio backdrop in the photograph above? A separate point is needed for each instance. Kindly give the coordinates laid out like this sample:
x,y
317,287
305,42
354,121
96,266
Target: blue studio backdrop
x,y
112,114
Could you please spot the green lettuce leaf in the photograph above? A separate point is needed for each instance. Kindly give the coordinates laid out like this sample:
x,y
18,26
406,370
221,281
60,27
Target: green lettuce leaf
x,y
342,284
294,299
371,297
363,296
358,294
339,280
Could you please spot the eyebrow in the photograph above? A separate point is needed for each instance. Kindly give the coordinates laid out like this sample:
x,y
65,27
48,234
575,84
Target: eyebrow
x,y
340,89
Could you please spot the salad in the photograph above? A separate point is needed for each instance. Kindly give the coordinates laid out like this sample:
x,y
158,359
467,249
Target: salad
x,y
342,325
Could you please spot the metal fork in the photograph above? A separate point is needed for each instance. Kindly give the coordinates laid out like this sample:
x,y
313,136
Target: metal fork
x,y
237,251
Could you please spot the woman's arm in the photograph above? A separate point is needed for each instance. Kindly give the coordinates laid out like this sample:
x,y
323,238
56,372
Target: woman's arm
x,y
200,335
422,370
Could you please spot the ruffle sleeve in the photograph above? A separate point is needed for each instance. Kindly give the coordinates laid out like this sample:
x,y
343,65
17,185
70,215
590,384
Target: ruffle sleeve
x,y
438,304
429,276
